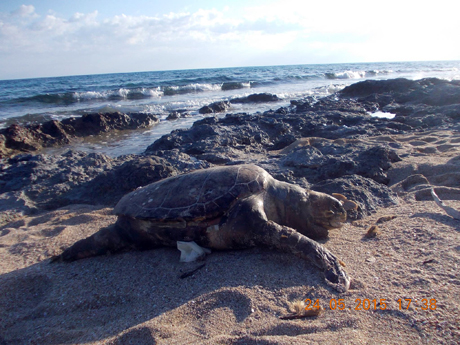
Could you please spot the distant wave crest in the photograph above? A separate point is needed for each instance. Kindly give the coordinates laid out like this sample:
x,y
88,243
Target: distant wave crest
x,y
355,74
128,94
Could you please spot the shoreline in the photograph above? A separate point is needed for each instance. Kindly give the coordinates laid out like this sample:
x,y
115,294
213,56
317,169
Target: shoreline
x,y
386,166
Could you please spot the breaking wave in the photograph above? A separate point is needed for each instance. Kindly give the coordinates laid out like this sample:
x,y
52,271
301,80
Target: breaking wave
x,y
356,74
127,94
144,88
160,92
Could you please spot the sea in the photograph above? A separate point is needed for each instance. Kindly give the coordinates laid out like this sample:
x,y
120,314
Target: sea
x,y
37,100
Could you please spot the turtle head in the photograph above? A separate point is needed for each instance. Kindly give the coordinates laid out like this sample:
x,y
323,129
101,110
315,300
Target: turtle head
x,y
326,211
311,213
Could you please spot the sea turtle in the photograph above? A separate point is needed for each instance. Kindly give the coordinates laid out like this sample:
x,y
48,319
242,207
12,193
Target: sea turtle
x,y
226,207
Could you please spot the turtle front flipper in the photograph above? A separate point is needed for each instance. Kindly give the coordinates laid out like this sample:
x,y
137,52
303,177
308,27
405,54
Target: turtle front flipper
x,y
106,240
289,240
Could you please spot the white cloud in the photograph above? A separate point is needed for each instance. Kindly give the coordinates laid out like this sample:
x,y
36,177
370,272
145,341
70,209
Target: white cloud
x,y
25,11
289,31
203,26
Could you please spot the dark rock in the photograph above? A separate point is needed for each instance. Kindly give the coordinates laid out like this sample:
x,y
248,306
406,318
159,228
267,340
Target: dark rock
x,y
109,187
34,137
420,104
17,138
304,104
43,179
370,87
303,107
216,107
215,158
173,116
332,103
282,142
48,182
270,131
282,111
93,124
368,194
319,144
182,161
256,98
324,159
429,91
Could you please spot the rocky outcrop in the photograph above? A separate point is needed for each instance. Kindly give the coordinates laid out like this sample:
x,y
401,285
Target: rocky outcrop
x,y
256,98
17,138
174,116
412,96
367,193
49,182
270,131
108,187
34,137
216,107
94,124
222,106
320,159
322,144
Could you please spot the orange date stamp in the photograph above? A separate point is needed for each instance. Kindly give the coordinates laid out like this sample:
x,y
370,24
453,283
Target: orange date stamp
x,y
373,304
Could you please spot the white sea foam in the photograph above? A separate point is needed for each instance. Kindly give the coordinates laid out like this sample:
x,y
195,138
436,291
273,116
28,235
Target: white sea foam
x,y
376,72
154,92
192,88
382,115
88,95
351,75
121,92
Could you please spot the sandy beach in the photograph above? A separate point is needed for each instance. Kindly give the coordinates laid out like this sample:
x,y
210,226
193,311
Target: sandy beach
x,y
238,297
311,149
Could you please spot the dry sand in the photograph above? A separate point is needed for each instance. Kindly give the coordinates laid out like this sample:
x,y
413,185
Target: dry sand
x,y
238,297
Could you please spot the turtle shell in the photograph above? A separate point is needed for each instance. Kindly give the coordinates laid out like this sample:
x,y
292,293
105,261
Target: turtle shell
x,y
199,195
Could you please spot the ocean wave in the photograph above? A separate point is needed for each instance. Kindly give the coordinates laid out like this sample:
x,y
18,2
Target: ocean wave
x,y
122,93
190,88
128,94
235,85
59,98
376,72
346,75
138,90
355,74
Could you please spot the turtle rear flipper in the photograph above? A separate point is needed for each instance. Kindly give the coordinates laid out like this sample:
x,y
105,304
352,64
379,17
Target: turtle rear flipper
x,y
289,240
106,240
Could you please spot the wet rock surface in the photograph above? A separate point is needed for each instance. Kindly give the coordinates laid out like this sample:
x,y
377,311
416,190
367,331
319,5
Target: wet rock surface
x,y
256,98
17,138
216,107
419,103
318,144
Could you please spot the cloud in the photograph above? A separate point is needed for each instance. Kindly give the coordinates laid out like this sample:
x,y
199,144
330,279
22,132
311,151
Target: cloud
x,y
54,33
288,31
25,11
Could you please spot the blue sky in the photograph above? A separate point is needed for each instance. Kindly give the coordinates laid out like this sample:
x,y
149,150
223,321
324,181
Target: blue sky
x,y
68,37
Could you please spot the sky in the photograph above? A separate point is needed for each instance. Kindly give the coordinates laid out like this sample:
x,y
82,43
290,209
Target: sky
x,y
44,38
